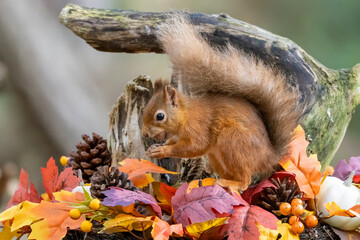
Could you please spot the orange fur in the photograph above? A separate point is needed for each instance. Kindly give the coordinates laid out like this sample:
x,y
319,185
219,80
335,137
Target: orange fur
x,y
240,112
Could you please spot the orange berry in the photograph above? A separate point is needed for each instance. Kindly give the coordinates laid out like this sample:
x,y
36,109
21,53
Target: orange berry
x,y
95,204
64,160
86,226
293,219
285,208
297,210
296,201
311,221
297,227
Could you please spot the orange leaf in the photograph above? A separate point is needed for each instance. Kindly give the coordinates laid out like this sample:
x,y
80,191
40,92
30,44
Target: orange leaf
x,y
204,182
56,220
163,192
54,183
306,169
66,196
355,210
162,230
334,209
138,171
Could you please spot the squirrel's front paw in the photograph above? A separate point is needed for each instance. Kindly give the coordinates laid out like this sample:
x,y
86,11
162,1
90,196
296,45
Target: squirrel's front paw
x,y
157,151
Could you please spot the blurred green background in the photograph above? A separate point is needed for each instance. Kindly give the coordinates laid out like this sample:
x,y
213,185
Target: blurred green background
x,y
54,87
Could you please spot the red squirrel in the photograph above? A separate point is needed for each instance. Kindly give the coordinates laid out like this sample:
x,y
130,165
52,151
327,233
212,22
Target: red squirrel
x,y
236,110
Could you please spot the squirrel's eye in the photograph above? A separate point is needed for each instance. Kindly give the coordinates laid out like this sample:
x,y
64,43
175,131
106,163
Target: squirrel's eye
x,y
160,116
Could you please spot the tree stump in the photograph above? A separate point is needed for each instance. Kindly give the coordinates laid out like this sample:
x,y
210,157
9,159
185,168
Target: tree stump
x,y
328,97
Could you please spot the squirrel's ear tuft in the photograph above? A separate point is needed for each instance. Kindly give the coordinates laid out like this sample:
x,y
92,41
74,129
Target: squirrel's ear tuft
x,y
158,85
171,95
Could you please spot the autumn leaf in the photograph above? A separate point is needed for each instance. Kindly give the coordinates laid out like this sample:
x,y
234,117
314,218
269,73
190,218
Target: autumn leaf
x,y
197,206
23,192
139,170
197,229
6,233
66,196
126,223
355,210
19,215
54,183
123,197
282,228
161,230
242,223
334,209
163,194
306,169
343,169
347,235
56,220
200,182
251,194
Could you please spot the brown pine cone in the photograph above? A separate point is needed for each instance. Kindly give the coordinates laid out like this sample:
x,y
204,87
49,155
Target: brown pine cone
x,y
271,198
90,154
105,178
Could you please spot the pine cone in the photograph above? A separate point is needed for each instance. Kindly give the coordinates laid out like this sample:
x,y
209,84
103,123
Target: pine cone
x,y
103,179
90,154
271,198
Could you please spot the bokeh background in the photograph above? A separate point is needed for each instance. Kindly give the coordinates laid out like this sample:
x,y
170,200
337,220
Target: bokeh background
x,y
54,87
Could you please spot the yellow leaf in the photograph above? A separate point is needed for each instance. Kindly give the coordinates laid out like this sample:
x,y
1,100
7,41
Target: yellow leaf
x,y
126,223
267,233
334,209
66,196
6,233
285,230
10,212
282,228
196,229
22,217
41,231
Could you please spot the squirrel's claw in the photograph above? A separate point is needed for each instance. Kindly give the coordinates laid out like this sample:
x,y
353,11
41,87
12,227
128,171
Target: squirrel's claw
x,y
157,151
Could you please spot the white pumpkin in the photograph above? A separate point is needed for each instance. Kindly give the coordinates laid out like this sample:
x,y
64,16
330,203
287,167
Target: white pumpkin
x,y
345,195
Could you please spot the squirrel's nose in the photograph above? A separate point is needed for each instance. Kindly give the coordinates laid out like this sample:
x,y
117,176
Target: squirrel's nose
x,y
145,135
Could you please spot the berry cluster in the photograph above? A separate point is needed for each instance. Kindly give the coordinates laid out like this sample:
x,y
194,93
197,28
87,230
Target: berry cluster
x,y
297,210
86,226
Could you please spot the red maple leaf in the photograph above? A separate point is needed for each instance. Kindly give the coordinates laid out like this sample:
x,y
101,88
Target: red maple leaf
x,y
22,192
54,183
201,204
242,222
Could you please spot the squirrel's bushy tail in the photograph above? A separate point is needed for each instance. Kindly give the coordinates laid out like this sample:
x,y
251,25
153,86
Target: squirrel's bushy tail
x,y
201,69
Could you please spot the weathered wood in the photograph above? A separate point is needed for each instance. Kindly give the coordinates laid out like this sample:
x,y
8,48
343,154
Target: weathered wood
x,y
329,97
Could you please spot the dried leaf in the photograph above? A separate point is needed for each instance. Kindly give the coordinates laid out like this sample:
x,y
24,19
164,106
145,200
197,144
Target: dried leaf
x,y
197,206
54,183
197,229
138,171
306,169
56,220
242,221
343,169
355,210
23,192
161,230
123,197
285,231
267,233
126,223
347,235
251,194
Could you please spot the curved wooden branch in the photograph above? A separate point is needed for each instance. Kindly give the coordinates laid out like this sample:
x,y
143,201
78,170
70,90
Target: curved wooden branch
x,y
329,97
